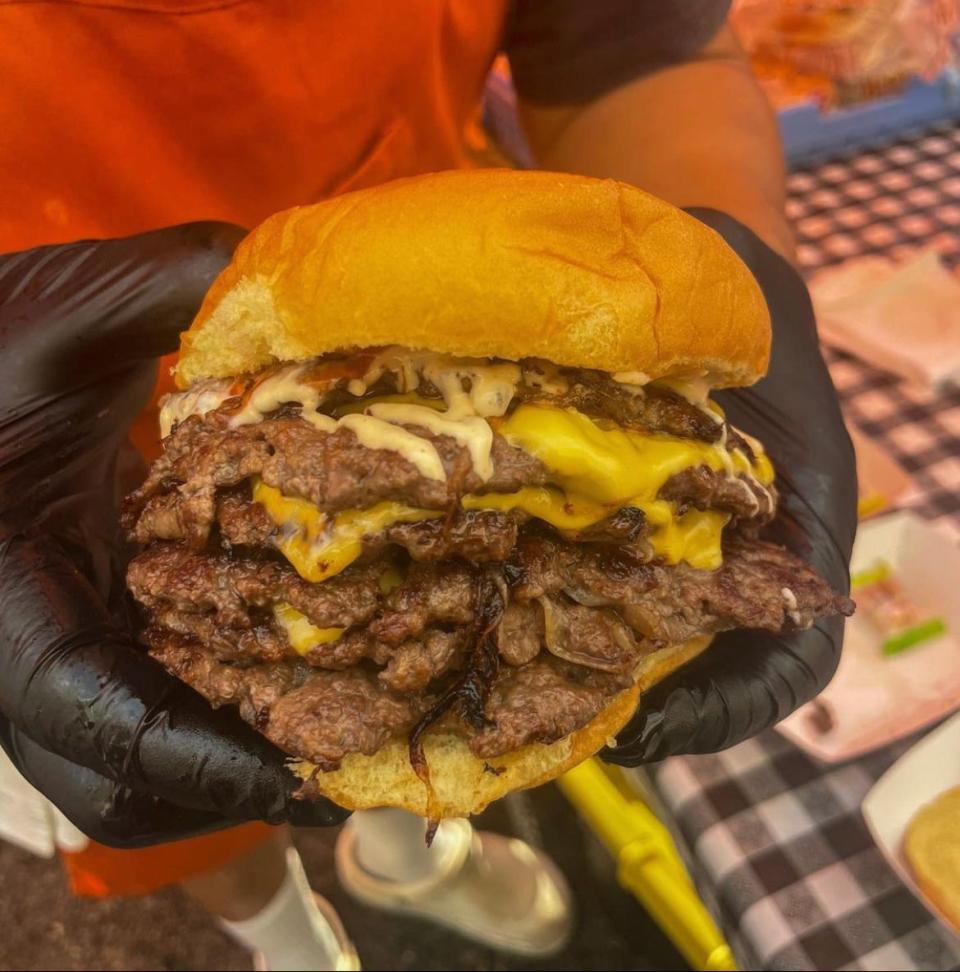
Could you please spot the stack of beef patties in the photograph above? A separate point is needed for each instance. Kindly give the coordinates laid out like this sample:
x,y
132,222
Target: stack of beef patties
x,y
422,598
443,491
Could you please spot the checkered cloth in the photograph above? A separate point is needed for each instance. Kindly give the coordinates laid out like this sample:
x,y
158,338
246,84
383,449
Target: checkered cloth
x,y
777,842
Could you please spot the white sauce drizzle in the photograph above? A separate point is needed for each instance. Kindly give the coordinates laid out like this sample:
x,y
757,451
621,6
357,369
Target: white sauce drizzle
x,y
199,400
757,450
763,489
712,412
472,432
631,377
284,385
748,492
752,442
546,376
472,389
696,391
375,433
491,387
790,599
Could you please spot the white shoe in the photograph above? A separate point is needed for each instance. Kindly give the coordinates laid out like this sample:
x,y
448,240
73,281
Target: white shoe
x,y
336,942
496,890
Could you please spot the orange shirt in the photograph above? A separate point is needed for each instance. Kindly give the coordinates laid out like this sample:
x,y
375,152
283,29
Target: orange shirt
x,y
118,116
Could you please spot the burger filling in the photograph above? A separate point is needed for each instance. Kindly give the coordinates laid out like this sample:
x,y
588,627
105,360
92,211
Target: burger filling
x,y
370,545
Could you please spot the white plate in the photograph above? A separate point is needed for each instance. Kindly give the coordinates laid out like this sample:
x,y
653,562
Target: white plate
x,y
924,772
875,699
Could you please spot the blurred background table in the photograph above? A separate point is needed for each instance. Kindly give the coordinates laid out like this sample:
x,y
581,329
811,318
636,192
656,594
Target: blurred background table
x,y
776,841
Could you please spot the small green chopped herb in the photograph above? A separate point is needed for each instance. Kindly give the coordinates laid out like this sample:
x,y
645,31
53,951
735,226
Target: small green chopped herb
x,y
914,636
880,571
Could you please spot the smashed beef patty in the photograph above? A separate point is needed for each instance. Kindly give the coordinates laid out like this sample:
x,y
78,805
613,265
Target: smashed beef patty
x,y
577,620
483,622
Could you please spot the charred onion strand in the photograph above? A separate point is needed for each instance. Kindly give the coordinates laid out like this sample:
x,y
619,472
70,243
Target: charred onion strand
x,y
470,691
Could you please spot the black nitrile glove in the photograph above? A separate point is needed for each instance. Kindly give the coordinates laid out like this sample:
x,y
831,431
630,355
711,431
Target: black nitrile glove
x,y
126,751
749,680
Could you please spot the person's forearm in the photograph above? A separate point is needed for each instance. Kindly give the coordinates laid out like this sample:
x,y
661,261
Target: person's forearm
x,y
699,134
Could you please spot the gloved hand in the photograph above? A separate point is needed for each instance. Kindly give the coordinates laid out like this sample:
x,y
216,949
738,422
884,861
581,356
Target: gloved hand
x,y
129,754
748,680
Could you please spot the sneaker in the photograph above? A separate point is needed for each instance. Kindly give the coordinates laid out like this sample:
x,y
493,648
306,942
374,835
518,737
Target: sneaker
x,y
496,890
335,939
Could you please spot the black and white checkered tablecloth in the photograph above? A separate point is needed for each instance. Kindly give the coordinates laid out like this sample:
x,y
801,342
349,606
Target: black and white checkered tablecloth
x,y
779,846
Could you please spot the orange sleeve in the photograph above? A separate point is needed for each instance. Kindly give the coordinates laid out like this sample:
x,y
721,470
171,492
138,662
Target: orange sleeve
x,y
101,872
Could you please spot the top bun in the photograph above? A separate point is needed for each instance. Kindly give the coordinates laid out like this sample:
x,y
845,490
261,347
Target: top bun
x,y
487,263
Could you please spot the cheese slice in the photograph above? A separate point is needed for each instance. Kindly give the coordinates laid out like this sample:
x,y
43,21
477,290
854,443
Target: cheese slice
x,y
694,536
302,634
608,465
564,511
595,470
320,546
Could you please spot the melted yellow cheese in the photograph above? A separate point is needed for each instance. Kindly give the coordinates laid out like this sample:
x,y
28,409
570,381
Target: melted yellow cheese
x,y
762,468
301,633
603,469
561,510
694,536
390,579
595,471
320,546
607,465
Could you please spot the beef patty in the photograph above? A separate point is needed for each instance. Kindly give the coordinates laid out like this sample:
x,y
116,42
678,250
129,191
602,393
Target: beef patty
x,y
579,617
487,623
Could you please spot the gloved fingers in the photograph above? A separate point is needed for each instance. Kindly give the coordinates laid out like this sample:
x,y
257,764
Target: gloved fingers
x,y
63,449
816,484
72,314
84,691
745,682
816,475
749,680
795,412
104,810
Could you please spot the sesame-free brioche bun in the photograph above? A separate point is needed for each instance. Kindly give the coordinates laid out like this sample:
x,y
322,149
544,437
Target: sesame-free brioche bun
x,y
461,784
585,272
932,846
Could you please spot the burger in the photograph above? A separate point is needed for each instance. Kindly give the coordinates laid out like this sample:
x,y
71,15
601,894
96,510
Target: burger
x,y
443,490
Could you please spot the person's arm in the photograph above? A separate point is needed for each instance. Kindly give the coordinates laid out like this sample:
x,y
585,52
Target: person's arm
x,y
697,133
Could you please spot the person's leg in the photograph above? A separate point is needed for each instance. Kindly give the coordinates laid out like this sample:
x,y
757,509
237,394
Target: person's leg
x,y
392,844
264,901
244,886
494,889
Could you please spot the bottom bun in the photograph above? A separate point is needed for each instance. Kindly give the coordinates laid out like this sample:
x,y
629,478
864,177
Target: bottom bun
x,y
461,784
